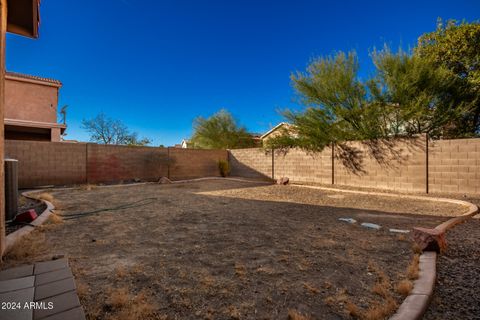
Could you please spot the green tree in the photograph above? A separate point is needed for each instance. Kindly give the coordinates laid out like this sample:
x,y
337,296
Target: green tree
x,y
418,95
407,95
456,46
220,131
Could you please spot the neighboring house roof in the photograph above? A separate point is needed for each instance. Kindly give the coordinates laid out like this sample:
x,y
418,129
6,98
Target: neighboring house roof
x,y
33,79
278,126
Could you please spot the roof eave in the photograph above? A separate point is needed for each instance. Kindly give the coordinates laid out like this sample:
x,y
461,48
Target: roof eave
x,y
23,17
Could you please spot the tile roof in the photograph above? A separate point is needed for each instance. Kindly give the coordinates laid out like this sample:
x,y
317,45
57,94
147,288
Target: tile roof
x,y
31,77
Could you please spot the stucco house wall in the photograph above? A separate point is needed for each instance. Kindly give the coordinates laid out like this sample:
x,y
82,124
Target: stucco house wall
x,y
31,108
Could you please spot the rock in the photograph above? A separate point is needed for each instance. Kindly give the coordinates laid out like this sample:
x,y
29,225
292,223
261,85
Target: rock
x,y
349,220
164,180
137,180
430,239
283,181
399,230
371,225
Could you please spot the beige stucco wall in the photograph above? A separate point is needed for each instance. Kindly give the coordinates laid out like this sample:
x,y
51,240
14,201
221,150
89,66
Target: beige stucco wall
x,y
30,101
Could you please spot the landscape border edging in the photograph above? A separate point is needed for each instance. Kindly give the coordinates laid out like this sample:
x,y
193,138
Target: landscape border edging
x,y
15,236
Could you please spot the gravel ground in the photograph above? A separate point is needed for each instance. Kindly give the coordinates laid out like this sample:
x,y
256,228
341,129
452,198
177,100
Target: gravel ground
x,y
457,294
25,204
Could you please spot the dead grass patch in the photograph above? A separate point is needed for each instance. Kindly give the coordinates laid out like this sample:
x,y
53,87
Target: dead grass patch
x,y
55,218
32,244
310,288
376,310
82,289
233,312
340,297
404,287
296,315
413,268
207,281
240,270
128,307
45,196
119,297
380,311
50,198
416,248
120,272
87,187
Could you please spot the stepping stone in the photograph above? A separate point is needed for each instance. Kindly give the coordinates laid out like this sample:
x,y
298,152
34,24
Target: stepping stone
x,y
47,266
45,290
54,288
16,284
371,225
399,231
56,275
349,220
72,314
19,297
19,272
60,303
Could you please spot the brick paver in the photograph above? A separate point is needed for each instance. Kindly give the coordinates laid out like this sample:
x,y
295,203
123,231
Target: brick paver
x,y
45,290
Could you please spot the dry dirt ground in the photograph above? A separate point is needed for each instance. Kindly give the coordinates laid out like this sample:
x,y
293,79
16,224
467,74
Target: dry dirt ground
x,y
221,249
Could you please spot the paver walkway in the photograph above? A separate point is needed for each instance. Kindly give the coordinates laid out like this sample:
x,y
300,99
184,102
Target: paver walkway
x,y
44,290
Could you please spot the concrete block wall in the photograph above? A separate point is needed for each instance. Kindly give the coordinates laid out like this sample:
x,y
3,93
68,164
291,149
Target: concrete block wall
x,y
402,168
453,166
48,163
251,163
300,166
195,163
56,163
112,163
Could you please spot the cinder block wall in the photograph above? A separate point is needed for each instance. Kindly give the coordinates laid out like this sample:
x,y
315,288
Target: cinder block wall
x,y
195,163
402,168
56,163
453,166
48,163
112,163
300,166
251,163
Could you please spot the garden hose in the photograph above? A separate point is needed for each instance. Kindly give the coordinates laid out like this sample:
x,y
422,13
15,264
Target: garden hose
x,y
139,203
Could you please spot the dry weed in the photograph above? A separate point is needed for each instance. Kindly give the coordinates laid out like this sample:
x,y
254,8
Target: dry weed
x,y
311,288
45,196
413,268
404,287
381,310
240,270
130,307
295,315
33,244
120,272
119,298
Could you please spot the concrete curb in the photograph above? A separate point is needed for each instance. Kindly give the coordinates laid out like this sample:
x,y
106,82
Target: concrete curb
x,y
15,236
471,208
416,303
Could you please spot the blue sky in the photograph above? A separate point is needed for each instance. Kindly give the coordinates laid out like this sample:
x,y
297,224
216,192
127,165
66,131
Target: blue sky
x,y
158,64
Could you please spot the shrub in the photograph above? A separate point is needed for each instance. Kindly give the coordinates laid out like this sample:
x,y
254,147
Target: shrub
x,y
224,168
